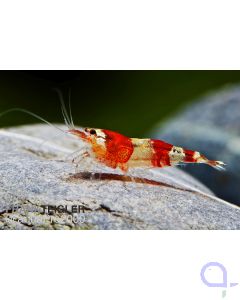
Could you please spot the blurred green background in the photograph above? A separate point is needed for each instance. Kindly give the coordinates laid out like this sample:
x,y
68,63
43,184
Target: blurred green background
x,y
130,102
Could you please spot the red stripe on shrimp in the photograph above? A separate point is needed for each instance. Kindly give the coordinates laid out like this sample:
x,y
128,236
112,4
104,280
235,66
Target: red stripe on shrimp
x,y
119,147
160,156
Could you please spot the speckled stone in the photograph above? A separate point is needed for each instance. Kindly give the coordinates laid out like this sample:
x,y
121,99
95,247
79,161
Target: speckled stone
x,y
34,173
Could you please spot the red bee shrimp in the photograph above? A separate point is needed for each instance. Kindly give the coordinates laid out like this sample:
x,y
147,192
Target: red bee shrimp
x,y
118,151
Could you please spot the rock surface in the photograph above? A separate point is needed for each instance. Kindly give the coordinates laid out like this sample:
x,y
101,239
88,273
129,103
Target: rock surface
x,y
211,126
34,173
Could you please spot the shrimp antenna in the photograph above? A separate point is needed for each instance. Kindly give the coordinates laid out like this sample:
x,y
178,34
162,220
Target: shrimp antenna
x,y
31,114
67,119
70,109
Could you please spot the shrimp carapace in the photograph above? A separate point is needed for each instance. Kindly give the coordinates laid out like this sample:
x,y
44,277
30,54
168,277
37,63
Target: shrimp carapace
x,y
116,150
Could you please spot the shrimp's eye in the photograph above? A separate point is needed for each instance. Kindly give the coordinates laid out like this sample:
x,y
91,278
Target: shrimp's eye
x,y
92,131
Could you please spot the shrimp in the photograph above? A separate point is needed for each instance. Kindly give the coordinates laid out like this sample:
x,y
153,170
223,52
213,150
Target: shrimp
x,y
118,151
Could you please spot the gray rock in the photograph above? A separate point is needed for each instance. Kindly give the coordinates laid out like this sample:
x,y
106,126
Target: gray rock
x,y
211,126
34,174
